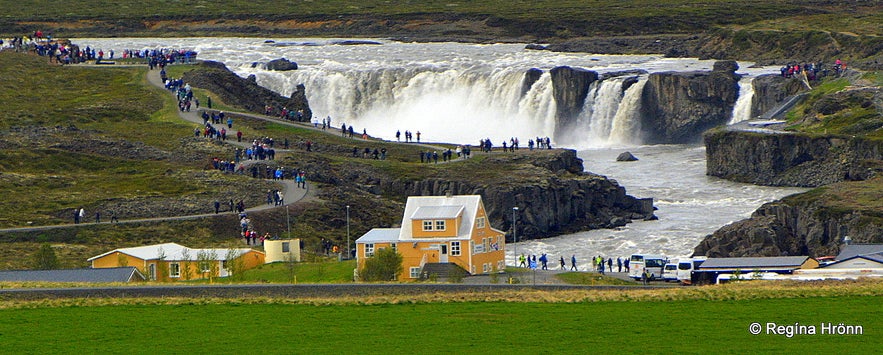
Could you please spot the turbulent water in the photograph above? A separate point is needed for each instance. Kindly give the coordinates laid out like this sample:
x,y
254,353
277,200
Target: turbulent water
x,y
461,93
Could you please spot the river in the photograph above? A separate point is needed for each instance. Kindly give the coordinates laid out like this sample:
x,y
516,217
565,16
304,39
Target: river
x,y
454,92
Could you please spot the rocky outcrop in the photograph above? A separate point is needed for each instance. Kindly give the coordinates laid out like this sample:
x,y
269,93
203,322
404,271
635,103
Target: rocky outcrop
x,y
678,107
245,92
281,64
790,159
556,205
530,77
552,192
797,225
570,86
771,90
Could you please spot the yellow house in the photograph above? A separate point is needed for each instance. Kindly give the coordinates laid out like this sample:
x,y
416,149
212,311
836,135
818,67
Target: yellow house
x,y
173,262
439,230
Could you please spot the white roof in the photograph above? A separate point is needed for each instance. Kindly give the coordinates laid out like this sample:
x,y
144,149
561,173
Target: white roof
x,y
174,251
437,212
380,235
468,203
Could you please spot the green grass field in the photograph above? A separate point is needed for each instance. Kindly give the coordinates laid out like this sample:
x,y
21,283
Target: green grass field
x,y
473,327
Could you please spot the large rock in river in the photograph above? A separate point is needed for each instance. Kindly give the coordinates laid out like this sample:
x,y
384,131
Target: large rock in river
x,y
281,64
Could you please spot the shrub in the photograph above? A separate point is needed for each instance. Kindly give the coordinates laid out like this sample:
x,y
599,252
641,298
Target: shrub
x,y
45,258
386,265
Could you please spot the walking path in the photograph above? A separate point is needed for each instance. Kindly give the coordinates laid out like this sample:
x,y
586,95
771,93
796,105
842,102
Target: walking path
x,y
290,191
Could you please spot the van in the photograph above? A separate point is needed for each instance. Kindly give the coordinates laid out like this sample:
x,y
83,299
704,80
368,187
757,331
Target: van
x,y
670,272
686,268
652,263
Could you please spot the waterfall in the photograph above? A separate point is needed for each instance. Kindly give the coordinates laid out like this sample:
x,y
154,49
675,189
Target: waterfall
x,y
466,104
444,104
609,116
742,109
626,128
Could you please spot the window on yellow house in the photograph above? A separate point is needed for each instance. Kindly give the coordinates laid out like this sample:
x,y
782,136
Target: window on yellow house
x,y
174,270
455,248
369,250
479,222
393,246
415,272
427,225
440,225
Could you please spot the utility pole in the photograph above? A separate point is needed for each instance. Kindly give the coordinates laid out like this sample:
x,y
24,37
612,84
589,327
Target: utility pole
x,y
348,252
514,236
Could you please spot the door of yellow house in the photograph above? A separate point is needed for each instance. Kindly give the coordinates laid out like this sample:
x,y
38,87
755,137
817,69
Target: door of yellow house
x,y
443,253
151,271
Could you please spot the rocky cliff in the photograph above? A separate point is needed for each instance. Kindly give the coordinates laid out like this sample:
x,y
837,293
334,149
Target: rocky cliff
x,y
789,159
570,86
245,92
813,224
552,192
678,107
771,90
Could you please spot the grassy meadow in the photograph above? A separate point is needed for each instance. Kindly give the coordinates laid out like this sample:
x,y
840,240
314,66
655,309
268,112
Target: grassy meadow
x,y
710,319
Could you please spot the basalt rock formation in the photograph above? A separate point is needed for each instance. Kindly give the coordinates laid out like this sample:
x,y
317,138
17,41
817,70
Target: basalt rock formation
x,y
245,92
678,107
797,225
552,192
771,90
790,159
530,77
570,86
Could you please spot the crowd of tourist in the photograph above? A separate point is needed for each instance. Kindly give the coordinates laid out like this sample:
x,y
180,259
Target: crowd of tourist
x,y
597,263
813,71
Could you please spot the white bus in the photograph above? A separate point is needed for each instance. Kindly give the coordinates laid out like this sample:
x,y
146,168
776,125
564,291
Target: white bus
x,y
653,264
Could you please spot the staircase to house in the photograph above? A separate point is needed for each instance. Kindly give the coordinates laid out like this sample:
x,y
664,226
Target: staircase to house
x,y
442,271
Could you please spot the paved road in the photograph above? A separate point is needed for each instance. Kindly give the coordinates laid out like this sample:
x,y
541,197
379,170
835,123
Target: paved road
x,y
281,291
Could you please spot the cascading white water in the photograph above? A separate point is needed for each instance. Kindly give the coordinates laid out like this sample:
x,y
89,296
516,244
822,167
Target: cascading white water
x,y
483,102
742,109
626,128
608,117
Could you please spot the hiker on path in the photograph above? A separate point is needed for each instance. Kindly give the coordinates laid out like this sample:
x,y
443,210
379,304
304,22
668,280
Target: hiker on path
x,y
573,263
